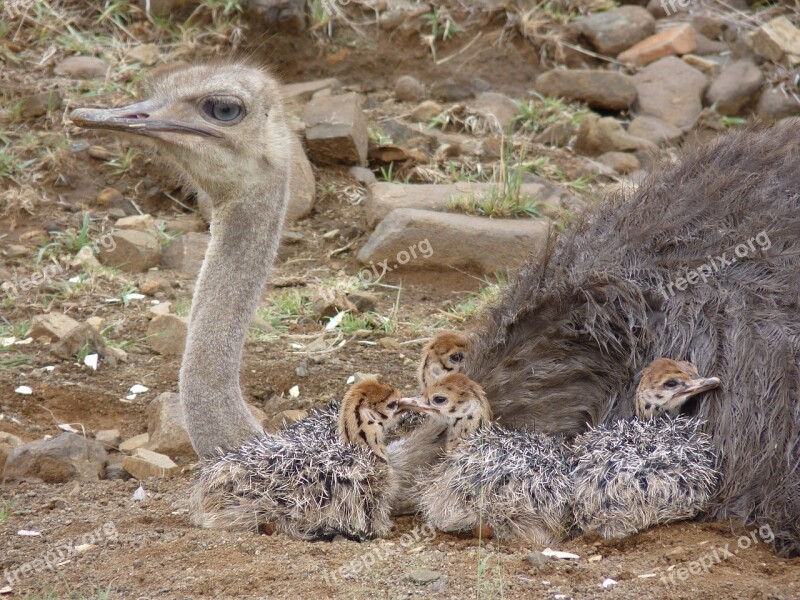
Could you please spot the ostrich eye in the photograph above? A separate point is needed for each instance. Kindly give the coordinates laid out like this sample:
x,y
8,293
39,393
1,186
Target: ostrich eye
x,y
457,357
439,400
671,383
391,405
223,110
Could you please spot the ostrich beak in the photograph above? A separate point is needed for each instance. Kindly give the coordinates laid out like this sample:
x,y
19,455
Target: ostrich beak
x,y
413,404
143,118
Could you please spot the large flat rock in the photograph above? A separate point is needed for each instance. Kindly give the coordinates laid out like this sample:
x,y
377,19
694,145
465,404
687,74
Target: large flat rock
x,y
672,91
382,198
413,238
607,90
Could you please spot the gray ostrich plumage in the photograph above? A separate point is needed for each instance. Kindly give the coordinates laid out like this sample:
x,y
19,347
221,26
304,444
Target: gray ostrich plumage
x,y
516,482
634,474
304,481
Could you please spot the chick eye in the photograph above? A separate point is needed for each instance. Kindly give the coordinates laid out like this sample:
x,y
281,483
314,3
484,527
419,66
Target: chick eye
x,y
391,405
457,357
439,400
222,110
671,383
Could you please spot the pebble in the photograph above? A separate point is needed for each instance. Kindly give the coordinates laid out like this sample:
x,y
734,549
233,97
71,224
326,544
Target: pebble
x,y
82,67
409,89
423,576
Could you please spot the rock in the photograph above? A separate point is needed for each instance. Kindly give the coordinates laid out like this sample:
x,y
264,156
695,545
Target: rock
x,y
115,472
598,135
137,222
705,46
654,130
146,463
451,90
328,302
735,87
606,90
423,576
285,16
285,418
362,175
166,425
130,250
611,32
499,108
389,343
489,245
537,560
101,153
336,130
666,8
137,441
303,91
53,326
110,438
82,337
777,104
708,66
672,91
8,443
778,41
166,335
384,197
109,197
155,310
82,67
97,323
364,301
709,25
186,253
114,355
303,185
426,111
40,104
675,40
147,54
63,458
557,134
409,89
621,162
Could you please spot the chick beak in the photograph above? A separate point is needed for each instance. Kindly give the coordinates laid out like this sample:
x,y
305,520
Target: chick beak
x,y
143,118
416,404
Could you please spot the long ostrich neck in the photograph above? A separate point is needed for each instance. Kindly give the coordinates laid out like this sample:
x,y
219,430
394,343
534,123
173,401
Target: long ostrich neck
x,y
245,233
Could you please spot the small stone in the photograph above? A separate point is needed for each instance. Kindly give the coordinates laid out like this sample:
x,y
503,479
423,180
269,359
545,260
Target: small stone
x,y
110,438
285,418
704,65
328,302
389,343
137,441
336,130
130,250
117,473
423,576
598,135
706,47
54,326
362,175
155,310
166,335
675,40
82,67
654,130
778,41
114,355
621,162
303,91
607,90
451,90
537,559
40,104
672,91
166,425
97,323
775,103
146,463
57,460
301,370
426,111
101,153
83,337
409,89
109,197
147,54
137,222
364,301
499,109
186,253
735,87
611,32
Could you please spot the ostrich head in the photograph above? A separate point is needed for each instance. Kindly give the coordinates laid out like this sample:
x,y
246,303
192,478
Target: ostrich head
x,y
368,408
666,385
444,354
217,123
456,401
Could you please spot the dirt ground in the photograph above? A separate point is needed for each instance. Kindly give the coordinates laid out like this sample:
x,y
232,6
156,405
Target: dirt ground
x,y
94,539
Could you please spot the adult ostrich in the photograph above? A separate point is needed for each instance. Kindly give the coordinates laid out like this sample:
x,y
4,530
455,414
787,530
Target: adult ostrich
x,y
700,263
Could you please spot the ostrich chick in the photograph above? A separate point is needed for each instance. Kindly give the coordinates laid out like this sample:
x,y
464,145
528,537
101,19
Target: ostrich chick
x,y
515,483
313,480
634,474
443,355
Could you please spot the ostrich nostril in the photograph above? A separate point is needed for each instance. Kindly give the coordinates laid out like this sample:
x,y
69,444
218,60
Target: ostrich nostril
x,y
137,116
